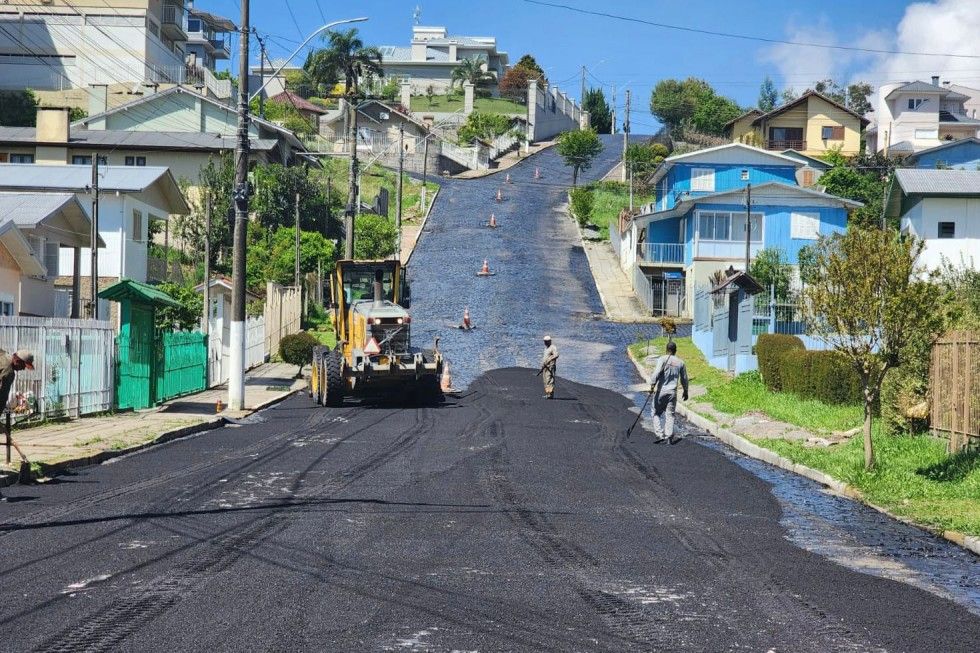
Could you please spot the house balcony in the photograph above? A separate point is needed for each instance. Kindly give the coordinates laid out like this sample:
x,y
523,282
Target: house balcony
x,y
172,25
660,254
221,48
725,249
781,145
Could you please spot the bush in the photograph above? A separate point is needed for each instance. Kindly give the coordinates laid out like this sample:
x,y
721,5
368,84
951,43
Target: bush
x,y
904,399
826,376
297,349
768,350
582,204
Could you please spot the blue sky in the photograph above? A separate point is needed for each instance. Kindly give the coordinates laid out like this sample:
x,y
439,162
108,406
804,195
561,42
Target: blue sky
x,y
637,56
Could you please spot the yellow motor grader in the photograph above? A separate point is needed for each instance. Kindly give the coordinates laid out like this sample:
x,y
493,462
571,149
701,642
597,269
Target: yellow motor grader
x,y
369,303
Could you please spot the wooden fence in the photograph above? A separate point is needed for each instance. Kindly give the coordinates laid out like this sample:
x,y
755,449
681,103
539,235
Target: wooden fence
x,y
955,389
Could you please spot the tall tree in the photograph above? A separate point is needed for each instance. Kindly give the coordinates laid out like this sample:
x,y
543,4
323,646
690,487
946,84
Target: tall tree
x,y
869,302
346,58
768,95
599,112
692,102
578,149
788,95
535,71
857,97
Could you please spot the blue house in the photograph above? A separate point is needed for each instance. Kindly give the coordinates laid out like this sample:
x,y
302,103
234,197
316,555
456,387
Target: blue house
x,y
697,225
963,154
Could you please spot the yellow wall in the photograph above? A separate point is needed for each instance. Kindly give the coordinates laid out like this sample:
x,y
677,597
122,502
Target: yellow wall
x,y
821,113
743,131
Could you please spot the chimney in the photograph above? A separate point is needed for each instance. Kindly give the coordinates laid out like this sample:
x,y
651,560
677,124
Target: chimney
x,y
52,124
935,80
98,99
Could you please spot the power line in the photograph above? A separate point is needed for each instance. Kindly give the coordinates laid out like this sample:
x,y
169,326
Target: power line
x,y
744,37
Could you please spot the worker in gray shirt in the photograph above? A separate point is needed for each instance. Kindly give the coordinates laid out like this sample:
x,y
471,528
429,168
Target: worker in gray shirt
x,y
669,370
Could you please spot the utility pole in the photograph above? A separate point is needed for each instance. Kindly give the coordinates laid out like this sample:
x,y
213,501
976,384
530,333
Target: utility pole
x,y
626,132
581,102
326,225
236,353
261,72
94,290
631,185
398,196
296,272
207,264
613,131
351,209
748,226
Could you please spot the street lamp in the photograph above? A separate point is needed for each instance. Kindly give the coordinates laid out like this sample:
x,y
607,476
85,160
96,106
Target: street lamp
x,y
309,38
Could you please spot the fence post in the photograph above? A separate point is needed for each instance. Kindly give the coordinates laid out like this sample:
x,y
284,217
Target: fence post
x,y
6,430
772,308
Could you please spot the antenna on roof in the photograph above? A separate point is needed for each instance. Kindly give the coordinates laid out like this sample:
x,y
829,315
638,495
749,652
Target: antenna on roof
x,y
417,14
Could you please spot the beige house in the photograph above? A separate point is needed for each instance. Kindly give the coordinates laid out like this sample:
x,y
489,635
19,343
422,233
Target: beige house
x,y
812,124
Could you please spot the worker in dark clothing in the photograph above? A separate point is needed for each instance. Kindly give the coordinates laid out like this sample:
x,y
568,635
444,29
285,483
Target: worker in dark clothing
x,y
669,370
549,367
10,364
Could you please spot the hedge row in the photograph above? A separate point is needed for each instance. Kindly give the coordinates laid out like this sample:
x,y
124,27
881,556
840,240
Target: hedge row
x,y
768,351
824,375
786,366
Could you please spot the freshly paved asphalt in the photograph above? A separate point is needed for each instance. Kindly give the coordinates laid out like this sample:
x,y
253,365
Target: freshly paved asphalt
x,y
495,521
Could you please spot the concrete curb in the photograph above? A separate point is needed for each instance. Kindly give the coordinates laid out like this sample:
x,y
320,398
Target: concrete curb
x,y
969,542
425,220
57,469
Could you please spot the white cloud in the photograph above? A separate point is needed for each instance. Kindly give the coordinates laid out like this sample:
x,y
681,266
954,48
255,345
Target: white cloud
x,y
942,26
799,67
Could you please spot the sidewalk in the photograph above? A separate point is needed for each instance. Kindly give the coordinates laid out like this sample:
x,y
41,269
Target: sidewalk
x,y
91,440
615,289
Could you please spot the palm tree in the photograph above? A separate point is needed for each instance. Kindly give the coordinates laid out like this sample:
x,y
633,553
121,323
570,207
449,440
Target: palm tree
x,y
346,58
471,70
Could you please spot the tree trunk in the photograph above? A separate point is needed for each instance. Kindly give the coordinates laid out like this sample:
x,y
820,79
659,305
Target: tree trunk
x,y
869,452
574,176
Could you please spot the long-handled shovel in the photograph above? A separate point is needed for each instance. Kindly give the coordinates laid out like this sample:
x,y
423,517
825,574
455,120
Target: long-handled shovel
x,y
639,415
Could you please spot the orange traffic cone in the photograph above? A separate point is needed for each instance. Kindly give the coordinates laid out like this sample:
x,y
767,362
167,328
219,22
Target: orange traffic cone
x,y
466,319
500,197
218,407
493,221
446,383
485,270
537,173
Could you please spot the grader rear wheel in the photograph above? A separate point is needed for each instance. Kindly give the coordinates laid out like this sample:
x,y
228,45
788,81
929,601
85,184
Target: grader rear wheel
x,y
331,380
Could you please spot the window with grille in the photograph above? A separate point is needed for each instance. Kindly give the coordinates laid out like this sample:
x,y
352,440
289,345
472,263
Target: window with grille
x,y
947,230
137,226
805,226
136,160
22,158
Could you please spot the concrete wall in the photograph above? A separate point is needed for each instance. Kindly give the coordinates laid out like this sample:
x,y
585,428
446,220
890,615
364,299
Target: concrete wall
x,y
550,113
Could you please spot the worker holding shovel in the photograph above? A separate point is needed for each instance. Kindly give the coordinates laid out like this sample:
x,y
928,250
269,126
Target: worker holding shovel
x,y
670,368
10,364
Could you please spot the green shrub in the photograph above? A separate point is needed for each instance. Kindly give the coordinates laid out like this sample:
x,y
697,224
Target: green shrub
x,y
768,350
297,349
826,376
582,204
903,393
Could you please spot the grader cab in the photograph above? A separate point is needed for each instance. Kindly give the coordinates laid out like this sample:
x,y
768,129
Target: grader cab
x,y
374,355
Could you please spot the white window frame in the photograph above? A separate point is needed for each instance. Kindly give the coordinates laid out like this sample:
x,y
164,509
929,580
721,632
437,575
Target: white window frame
x,y
926,134
8,307
733,218
703,180
804,225
915,102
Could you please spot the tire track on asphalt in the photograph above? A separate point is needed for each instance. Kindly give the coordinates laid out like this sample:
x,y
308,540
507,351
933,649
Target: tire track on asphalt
x,y
724,556
124,615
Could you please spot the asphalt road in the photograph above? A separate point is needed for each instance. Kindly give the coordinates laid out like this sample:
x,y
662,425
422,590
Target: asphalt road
x,y
496,521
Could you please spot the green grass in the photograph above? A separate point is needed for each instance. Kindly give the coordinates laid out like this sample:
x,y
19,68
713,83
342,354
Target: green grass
x,y
610,199
377,177
326,336
699,372
914,477
444,104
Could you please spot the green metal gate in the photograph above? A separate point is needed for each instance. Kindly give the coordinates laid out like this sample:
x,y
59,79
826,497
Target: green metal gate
x,y
181,367
135,361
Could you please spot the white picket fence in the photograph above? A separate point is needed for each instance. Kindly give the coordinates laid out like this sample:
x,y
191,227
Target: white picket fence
x,y
74,363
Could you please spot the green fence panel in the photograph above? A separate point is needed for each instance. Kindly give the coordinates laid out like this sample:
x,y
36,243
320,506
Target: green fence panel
x,y
181,366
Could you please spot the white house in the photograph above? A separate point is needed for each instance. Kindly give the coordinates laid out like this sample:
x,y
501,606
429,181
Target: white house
x,y
914,116
129,198
942,207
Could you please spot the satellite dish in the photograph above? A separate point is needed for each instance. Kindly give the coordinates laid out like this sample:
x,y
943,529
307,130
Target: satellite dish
x,y
384,115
